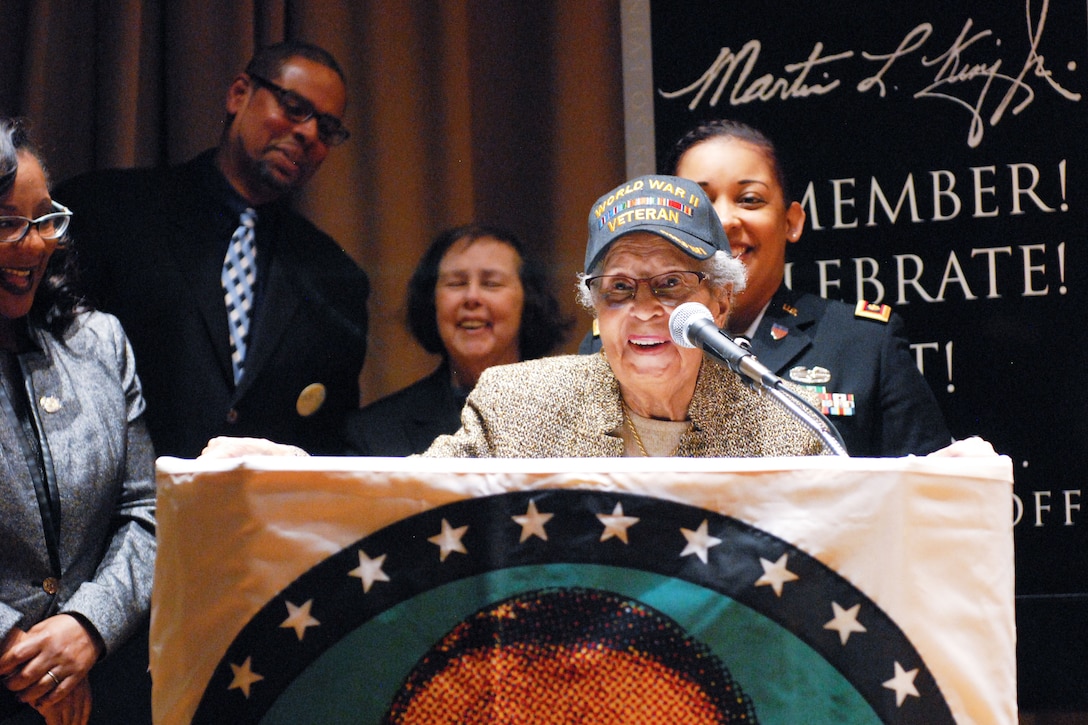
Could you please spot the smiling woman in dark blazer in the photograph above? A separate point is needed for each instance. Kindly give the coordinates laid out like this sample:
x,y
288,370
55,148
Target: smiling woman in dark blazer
x,y
477,300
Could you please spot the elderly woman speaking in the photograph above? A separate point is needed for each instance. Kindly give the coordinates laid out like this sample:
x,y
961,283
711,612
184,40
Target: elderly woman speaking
x,y
654,243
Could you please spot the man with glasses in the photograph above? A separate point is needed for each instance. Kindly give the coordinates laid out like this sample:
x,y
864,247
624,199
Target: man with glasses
x,y
245,318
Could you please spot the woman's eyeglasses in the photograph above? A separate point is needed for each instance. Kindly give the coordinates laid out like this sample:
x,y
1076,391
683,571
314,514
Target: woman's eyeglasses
x,y
50,226
670,288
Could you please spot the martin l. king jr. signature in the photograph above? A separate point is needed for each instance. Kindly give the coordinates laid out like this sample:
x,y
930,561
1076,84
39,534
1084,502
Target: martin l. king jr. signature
x,y
974,85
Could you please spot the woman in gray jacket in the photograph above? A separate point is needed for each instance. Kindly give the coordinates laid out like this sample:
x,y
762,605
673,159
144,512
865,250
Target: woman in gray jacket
x,y
77,495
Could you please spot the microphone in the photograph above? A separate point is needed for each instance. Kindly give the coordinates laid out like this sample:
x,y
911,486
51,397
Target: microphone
x,y
692,325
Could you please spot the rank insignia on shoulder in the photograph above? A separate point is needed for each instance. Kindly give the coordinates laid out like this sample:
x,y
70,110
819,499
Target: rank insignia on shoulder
x,y
810,376
778,332
872,311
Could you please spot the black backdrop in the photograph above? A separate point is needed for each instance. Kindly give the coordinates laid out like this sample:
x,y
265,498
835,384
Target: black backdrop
x,y
940,151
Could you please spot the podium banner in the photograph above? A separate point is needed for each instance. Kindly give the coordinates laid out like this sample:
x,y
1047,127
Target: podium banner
x,y
293,590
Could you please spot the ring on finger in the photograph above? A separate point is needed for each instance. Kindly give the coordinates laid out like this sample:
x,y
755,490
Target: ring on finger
x,y
56,681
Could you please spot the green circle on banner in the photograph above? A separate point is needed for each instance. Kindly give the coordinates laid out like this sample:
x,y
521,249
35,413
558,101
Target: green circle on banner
x,y
781,674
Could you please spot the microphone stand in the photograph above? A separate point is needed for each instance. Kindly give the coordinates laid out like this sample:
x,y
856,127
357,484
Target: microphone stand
x,y
810,417
692,325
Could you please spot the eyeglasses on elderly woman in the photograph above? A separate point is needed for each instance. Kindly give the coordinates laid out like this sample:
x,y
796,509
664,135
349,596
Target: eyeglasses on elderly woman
x,y
670,288
13,229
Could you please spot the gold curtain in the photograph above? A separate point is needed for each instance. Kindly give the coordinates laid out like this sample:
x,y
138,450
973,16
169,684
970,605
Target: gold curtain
x,y
498,111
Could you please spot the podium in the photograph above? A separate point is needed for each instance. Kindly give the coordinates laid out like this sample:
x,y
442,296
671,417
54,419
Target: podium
x,y
293,590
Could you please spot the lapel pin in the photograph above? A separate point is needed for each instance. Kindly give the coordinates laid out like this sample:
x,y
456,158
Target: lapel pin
x,y
49,403
310,399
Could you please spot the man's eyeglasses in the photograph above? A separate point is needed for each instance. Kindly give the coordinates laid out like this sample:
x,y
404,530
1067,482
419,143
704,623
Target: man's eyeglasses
x,y
50,226
300,110
670,288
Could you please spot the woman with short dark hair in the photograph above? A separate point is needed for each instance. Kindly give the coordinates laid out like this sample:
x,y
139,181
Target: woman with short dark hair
x,y
477,299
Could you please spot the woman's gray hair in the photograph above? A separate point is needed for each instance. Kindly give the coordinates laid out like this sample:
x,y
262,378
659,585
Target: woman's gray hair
x,y
9,157
722,271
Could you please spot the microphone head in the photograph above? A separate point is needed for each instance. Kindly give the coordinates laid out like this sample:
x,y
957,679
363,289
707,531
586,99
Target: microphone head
x,y
681,318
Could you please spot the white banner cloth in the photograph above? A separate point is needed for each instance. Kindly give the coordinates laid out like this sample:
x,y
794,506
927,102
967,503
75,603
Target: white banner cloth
x,y
928,540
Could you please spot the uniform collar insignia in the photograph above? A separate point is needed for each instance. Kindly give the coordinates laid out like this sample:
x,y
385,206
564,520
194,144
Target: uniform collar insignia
x,y
872,311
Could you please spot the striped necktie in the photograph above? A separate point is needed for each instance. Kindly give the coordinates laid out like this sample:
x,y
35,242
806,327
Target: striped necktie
x,y
239,276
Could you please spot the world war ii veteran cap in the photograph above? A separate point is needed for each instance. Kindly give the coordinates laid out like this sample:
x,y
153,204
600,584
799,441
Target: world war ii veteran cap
x,y
675,209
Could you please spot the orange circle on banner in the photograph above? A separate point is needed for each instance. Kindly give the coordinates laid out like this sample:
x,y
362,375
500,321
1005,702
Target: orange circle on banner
x,y
522,683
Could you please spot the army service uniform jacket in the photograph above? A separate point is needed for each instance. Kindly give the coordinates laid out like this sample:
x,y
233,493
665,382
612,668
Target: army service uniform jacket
x,y
860,360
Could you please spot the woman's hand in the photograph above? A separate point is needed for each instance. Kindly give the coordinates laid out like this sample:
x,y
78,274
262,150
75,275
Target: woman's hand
x,y
230,447
75,709
49,662
973,447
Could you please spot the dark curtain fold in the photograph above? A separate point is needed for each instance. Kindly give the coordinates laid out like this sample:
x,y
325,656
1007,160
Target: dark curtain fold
x,y
498,111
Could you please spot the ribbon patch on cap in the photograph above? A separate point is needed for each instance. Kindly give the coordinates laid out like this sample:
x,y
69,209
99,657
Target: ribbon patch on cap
x,y
667,211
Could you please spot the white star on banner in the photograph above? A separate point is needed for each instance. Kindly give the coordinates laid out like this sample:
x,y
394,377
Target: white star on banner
x,y
775,574
449,540
616,524
845,621
244,676
699,541
903,684
299,618
370,570
532,523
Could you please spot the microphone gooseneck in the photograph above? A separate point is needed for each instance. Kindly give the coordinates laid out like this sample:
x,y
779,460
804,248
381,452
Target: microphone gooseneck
x,y
692,325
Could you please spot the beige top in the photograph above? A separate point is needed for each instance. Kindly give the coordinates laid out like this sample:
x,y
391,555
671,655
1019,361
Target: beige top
x,y
659,438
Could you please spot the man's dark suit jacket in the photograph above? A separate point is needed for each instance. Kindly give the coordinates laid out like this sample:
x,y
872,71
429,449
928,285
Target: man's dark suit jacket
x,y
894,410
407,421
150,245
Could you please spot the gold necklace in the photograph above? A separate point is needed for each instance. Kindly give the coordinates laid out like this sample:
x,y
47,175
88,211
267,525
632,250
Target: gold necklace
x,y
630,423
634,431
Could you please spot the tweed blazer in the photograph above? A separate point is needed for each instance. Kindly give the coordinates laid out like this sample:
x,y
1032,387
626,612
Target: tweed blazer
x,y
570,406
90,408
